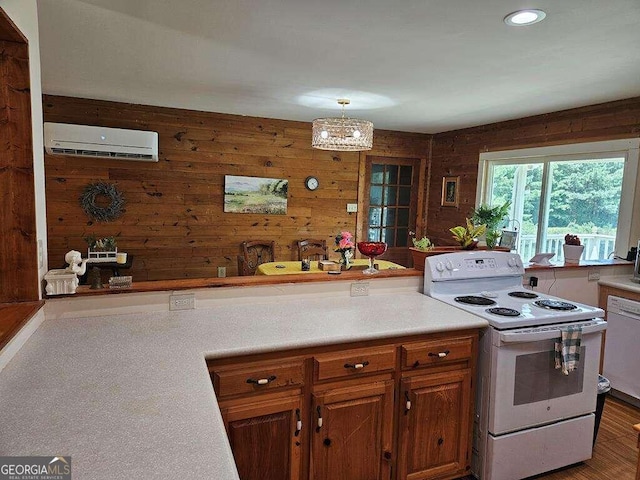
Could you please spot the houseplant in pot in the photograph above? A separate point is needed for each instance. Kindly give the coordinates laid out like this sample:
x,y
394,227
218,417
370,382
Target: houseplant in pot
x,y
492,217
572,248
467,236
421,249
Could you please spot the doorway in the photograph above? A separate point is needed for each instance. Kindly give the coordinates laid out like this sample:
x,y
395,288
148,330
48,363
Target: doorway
x,y
391,204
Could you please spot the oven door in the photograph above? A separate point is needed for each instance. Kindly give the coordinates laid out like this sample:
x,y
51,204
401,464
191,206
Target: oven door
x,y
527,390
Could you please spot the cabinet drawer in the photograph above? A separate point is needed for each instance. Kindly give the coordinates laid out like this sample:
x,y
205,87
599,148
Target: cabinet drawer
x,y
258,377
424,354
351,363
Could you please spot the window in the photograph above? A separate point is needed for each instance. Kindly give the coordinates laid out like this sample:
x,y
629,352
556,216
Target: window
x,y
585,189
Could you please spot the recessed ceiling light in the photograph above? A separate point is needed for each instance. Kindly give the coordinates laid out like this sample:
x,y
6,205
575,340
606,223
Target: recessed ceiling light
x,y
524,17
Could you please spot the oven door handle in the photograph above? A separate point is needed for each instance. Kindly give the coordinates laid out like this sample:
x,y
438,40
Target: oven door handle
x,y
535,334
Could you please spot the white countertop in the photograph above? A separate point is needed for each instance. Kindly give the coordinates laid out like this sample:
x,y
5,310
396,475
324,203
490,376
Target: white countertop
x,y
622,282
129,396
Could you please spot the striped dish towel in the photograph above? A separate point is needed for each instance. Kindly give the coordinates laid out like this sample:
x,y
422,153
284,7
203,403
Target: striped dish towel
x,y
567,349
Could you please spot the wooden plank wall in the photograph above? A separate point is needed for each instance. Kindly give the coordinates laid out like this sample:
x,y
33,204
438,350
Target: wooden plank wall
x,y
457,152
18,241
174,224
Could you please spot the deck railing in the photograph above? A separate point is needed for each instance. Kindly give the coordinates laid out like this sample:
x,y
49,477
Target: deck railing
x,y
596,246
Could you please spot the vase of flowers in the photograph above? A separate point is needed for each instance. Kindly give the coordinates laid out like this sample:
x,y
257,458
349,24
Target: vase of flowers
x,y
344,245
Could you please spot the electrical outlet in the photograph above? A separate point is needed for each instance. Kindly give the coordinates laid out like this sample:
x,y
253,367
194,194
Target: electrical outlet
x,y
594,275
533,281
352,207
182,302
222,272
360,289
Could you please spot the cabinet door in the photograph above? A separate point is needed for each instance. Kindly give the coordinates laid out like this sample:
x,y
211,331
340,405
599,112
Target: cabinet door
x,y
352,432
265,437
434,426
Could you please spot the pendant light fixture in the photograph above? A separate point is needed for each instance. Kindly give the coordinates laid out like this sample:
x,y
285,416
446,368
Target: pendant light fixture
x,y
342,133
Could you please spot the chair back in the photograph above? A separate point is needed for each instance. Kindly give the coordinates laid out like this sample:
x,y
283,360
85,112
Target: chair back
x,y
312,249
252,254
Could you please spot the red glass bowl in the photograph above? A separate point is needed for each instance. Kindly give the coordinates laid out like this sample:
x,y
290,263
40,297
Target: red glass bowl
x,y
372,249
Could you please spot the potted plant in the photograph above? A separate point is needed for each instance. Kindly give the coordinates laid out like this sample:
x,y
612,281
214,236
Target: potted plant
x,y
102,249
572,248
492,217
467,236
421,249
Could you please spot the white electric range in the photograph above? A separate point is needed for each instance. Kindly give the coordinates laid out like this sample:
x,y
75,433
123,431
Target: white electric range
x,y
530,418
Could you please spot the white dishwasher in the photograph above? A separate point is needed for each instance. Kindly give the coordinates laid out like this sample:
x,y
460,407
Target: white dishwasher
x,y
622,348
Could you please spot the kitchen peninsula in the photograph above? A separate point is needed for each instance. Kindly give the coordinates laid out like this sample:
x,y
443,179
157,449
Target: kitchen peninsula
x,y
129,396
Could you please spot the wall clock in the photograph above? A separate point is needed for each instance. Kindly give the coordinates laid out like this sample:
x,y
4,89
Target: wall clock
x,y
311,183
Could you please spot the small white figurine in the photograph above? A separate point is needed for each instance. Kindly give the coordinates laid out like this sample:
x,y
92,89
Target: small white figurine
x,y
76,264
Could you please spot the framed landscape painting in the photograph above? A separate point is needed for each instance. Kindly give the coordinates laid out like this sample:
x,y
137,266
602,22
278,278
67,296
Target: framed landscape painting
x,y
255,195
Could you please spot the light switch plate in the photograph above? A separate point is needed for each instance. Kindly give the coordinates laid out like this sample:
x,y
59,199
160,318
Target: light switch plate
x,y
352,207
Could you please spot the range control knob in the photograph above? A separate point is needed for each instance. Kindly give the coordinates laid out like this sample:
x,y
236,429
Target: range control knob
x,y
440,267
449,265
512,262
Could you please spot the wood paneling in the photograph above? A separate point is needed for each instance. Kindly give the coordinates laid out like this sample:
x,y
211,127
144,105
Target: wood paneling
x,y
457,152
18,243
174,223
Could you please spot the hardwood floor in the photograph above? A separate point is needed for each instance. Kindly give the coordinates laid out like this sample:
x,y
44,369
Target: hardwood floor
x,y
615,454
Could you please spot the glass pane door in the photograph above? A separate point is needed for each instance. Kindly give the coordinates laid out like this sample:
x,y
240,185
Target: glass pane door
x,y
392,185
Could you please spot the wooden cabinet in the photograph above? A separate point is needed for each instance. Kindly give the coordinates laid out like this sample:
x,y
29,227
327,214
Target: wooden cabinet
x,y
390,409
265,437
352,438
433,426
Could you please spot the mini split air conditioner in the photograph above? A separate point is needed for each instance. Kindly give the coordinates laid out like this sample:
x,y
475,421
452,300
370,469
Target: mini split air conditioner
x,y
101,142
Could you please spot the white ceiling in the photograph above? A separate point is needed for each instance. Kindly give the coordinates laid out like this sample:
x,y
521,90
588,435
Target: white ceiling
x,y
416,65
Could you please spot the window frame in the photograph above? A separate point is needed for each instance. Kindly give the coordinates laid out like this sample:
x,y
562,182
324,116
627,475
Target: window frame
x,y
629,149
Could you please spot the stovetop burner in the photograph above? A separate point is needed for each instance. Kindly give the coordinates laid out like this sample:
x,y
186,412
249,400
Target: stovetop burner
x,y
555,305
520,294
474,300
504,312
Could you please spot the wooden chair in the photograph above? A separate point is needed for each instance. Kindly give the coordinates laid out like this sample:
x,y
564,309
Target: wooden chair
x,y
312,249
252,254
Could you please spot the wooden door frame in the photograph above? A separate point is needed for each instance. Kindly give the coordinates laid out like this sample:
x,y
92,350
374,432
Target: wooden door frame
x,y
363,201
19,276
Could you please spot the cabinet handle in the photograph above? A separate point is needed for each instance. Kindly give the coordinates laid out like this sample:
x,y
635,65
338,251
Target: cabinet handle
x,y
407,405
261,381
298,422
439,354
356,366
319,419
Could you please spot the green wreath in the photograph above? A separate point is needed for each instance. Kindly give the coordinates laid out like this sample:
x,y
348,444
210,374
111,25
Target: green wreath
x,y
102,214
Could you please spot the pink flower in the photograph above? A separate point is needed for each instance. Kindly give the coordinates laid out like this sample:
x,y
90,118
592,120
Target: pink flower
x,y
344,241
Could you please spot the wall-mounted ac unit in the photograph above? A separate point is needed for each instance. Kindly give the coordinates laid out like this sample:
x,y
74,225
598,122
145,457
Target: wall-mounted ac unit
x,y
101,142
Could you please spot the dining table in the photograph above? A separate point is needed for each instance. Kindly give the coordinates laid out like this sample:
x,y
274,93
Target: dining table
x,y
293,267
